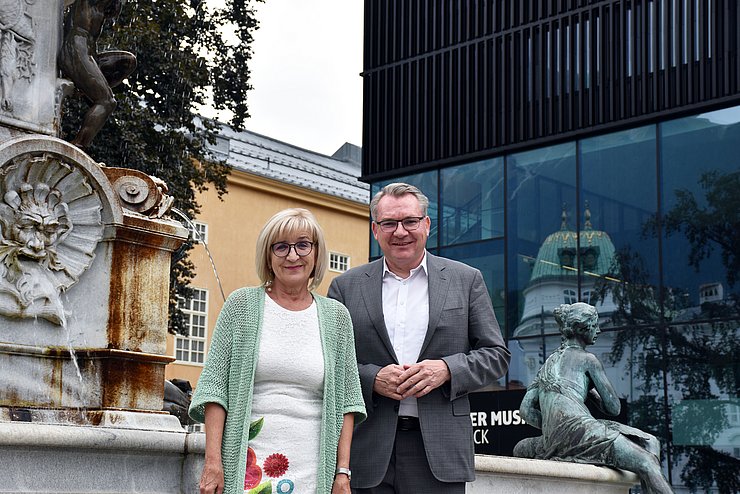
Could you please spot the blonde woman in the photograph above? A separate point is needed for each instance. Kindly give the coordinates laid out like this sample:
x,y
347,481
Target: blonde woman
x,y
279,393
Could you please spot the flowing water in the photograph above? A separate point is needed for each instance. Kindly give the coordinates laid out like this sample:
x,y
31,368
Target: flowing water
x,y
196,236
73,355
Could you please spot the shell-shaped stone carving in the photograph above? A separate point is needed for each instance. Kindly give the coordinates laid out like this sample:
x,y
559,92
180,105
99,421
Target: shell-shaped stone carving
x,y
50,225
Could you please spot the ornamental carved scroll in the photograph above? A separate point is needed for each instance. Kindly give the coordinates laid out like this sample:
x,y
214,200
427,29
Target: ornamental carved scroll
x,y
50,225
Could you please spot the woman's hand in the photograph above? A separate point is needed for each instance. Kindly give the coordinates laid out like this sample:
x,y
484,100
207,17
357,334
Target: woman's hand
x,y
341,484
341,480
212,478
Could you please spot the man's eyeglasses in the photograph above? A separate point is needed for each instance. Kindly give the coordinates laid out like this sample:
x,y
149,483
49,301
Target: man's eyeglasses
x,y
282,249
409,224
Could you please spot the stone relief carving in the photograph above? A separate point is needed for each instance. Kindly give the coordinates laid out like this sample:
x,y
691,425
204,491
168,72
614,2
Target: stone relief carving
x,y
17,41
50,225
139,192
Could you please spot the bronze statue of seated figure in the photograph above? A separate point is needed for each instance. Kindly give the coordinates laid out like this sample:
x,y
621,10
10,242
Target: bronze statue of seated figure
x,y
556,403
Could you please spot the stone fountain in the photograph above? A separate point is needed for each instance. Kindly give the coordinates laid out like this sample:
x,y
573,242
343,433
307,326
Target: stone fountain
x,y
85,255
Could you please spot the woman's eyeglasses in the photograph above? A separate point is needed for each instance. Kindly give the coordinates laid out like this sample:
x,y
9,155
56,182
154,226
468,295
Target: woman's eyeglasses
x,y
282,249
409,224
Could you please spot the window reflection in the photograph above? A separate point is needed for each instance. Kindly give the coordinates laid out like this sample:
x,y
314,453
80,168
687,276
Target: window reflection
x,y
641,224
700,204
541,236
703,384
619,188
472,202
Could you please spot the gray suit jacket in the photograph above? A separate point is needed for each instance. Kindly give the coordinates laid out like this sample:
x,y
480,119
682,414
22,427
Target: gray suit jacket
x,y
462,331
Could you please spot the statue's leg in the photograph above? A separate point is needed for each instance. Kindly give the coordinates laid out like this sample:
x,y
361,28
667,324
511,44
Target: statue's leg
x,y
81,68
653,445
529,447
116,66
630,456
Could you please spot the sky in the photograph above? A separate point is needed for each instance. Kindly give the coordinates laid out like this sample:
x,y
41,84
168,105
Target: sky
x,y
305,71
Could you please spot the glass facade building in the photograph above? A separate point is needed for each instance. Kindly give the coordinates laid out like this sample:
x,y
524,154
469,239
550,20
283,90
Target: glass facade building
x,y
637,214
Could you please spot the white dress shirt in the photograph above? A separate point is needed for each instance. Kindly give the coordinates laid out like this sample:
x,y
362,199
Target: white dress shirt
x,y
406,314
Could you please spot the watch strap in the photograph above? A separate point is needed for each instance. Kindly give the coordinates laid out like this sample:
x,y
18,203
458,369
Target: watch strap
x,y
345,471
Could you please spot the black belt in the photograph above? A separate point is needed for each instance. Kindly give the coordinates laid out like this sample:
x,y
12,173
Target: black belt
x,y
408,423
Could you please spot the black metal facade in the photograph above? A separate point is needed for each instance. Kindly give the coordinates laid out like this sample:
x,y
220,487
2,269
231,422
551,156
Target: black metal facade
x,y
447,81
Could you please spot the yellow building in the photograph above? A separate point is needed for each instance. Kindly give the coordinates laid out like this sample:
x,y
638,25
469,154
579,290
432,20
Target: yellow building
x,y
267,176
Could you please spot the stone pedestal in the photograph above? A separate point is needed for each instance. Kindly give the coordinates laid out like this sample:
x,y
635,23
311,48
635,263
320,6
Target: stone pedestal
x,y
85,253
524,476
44,458
84,283
84,287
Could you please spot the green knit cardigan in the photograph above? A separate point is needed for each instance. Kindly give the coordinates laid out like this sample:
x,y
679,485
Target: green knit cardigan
x,y
228,378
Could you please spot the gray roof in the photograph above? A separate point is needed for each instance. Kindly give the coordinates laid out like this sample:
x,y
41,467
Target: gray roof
x,y
336,175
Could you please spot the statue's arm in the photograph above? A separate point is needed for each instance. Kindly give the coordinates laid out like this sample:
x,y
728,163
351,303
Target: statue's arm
x,y
603,393
530,408
595,398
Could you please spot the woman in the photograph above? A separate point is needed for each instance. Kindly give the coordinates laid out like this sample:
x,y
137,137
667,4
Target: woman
x,y
279,393
555,403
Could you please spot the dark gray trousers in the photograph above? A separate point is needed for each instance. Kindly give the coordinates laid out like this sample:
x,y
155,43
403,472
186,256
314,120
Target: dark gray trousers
x,y
408,471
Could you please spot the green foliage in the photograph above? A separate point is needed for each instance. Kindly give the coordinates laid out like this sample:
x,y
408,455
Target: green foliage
x,y
715,225
255,427
708,467
628,282
264,488
181,57
694,349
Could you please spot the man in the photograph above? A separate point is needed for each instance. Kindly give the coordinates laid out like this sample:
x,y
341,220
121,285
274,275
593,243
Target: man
x,y
426,336
94,74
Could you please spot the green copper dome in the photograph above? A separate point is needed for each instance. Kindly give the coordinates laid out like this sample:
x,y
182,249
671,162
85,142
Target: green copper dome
x,y
558,257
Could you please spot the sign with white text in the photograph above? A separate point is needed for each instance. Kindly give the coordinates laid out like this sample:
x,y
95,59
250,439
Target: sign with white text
x,y
498,426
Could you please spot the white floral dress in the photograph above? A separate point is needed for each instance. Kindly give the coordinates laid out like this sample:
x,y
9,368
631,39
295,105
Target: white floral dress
x,y
283,453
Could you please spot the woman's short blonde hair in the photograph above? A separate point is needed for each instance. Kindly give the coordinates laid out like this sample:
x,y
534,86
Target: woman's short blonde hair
x,y
282,225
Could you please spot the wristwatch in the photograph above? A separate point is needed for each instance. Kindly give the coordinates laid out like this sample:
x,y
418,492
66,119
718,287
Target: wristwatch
x,y
345,471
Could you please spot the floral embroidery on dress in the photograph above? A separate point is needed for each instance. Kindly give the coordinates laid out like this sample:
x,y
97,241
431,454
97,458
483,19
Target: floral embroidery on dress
x,y
275,465
254,472
285,486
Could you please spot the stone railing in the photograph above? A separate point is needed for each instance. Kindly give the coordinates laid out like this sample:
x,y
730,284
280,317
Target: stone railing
x,y
519,475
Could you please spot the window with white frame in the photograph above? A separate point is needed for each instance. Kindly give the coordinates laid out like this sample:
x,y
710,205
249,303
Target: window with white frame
x,y
192,348
733,412
338,262
199,232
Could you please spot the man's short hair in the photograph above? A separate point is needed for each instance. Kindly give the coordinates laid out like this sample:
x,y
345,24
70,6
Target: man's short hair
x,y
399,189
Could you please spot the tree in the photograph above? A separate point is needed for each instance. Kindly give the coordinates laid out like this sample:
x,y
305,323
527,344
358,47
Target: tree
x,y
716,225
695,349
182,58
